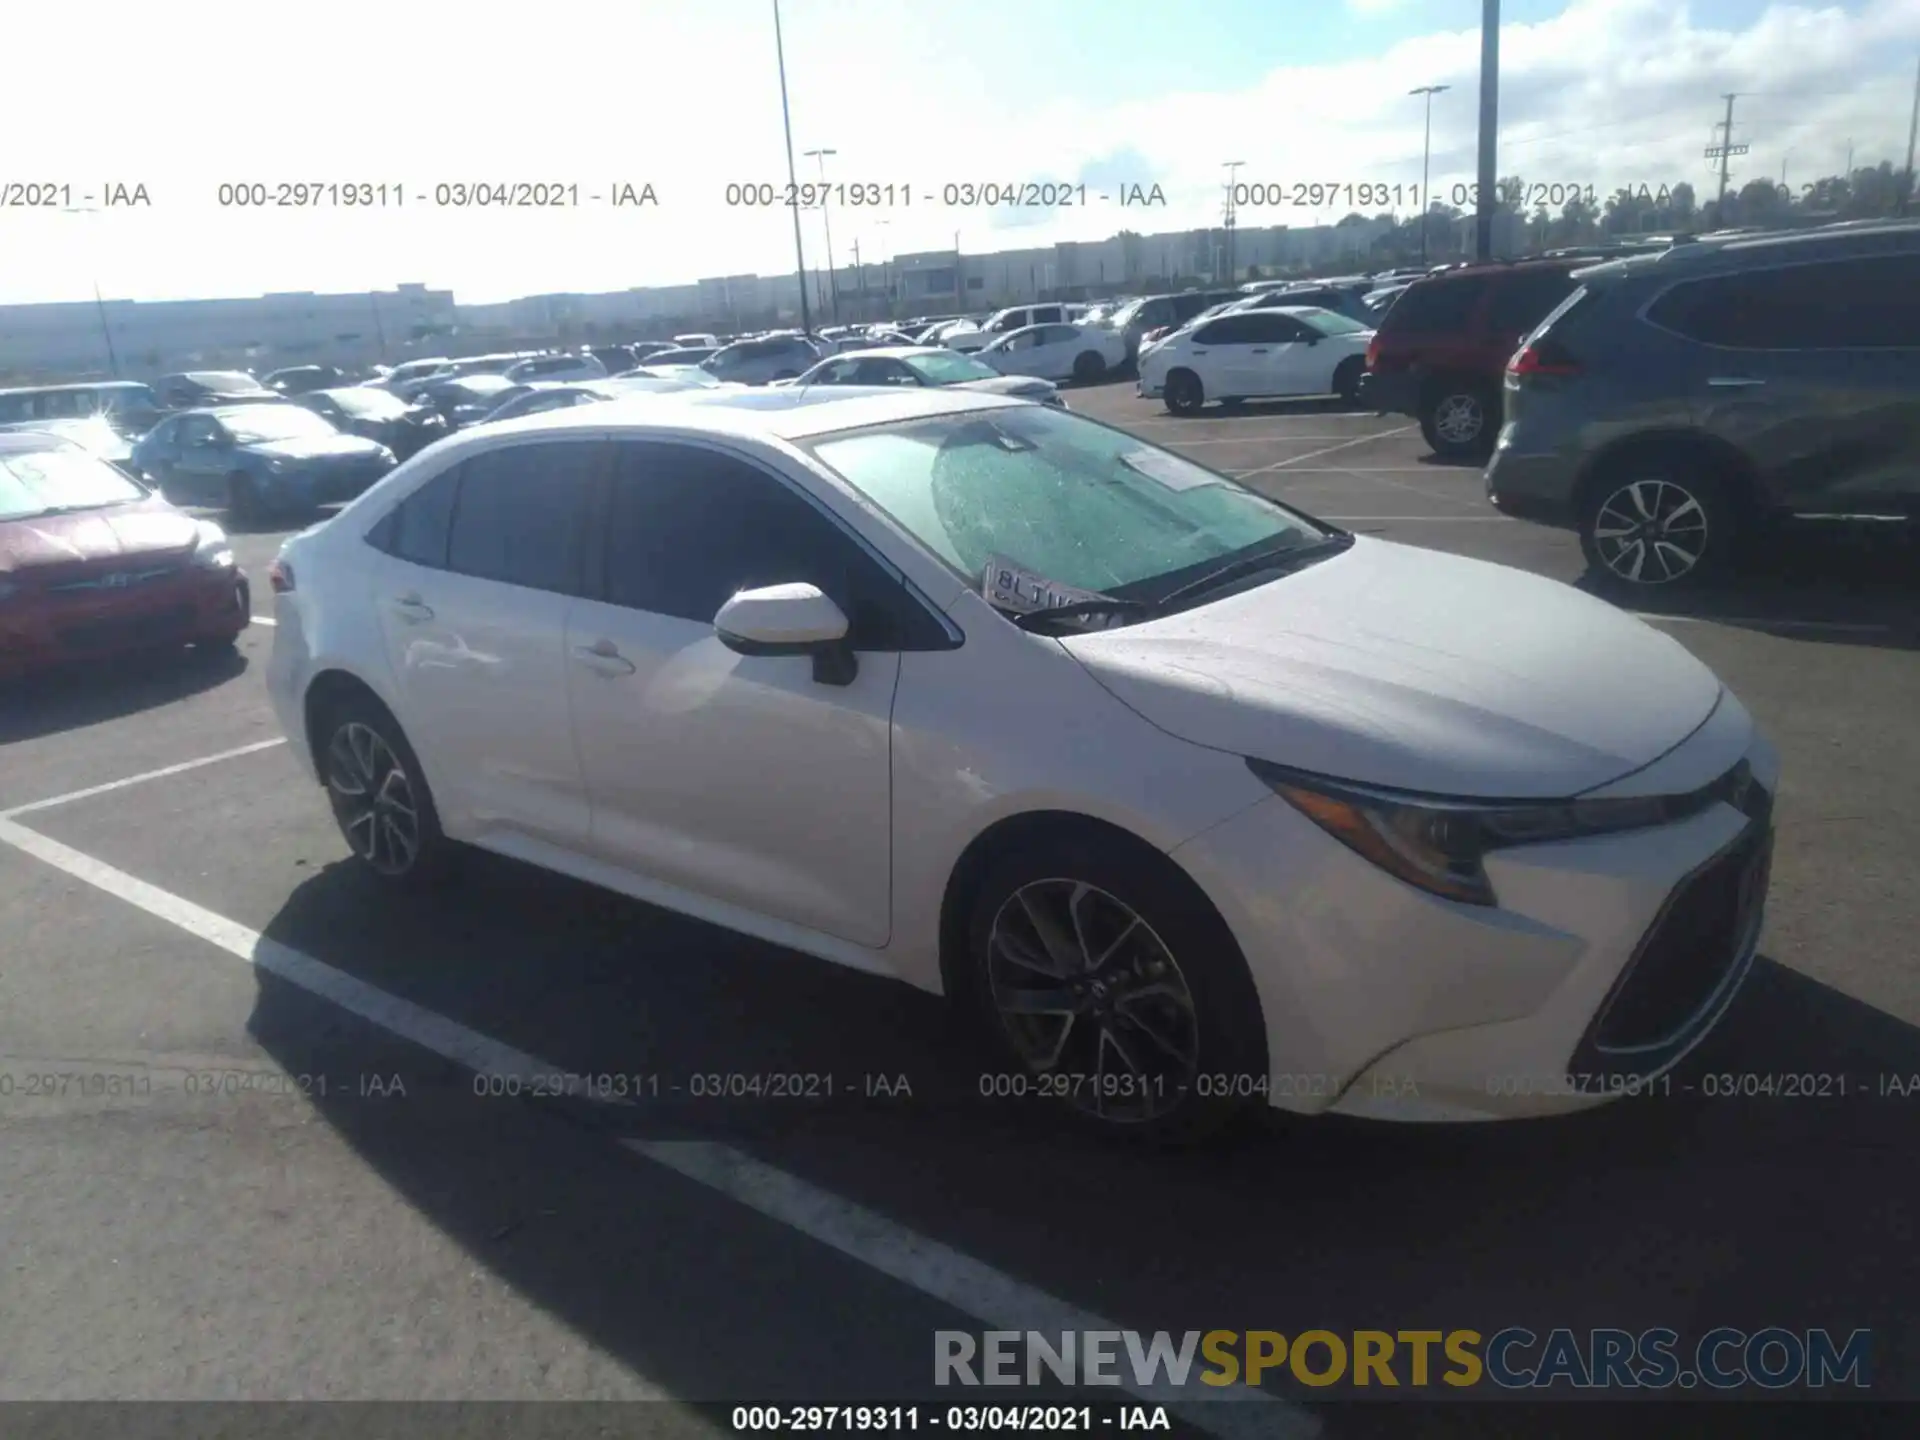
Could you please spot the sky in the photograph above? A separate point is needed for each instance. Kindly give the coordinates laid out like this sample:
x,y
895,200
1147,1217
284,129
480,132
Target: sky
x,y
684,96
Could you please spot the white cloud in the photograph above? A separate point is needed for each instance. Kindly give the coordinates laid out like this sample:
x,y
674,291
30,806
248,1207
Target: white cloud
x,y
1609,93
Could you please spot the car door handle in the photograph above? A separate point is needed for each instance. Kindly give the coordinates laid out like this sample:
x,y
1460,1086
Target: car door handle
x,y
412,608
604,657
1261,351
1733,382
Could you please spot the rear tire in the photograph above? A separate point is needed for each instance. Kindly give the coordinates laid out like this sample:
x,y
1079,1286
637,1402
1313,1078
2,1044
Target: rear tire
x,y
1159,1037
1657,523
1346,379
1184,394
1459,419
379,795
1088,367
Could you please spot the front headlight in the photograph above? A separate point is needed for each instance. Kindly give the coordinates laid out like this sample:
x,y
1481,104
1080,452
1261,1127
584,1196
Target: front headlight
x,y
1440,844
212,551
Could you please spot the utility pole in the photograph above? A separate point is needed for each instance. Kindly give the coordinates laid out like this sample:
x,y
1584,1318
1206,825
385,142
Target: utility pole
x,y
1232,167
106,334
1723,152
1489,128
1426,157
793,179
833,280
1848,172
1913,130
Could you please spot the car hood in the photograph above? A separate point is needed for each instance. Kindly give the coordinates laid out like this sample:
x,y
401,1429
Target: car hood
x,y
319,447
1407,668
1020,385
145,527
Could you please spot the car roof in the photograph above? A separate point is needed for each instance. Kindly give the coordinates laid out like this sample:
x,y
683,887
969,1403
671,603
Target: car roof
x,y
788,413
26,441
1730,249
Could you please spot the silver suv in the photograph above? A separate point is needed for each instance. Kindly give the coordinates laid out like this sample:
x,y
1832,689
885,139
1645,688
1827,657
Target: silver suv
x,y
773,357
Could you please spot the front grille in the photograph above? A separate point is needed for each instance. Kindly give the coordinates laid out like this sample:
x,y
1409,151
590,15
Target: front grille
x,y
148,627
116,580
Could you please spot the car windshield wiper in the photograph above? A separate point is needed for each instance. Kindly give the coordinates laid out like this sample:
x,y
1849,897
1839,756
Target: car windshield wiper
x,y
1102,605
1273,557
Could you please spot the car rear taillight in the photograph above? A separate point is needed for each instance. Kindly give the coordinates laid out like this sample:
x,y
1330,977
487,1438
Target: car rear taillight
x,y
1373,351
280,577
1545,358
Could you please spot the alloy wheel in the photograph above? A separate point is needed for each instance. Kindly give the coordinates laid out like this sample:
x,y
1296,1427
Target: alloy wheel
x,y
1458,419
1651,532
1093,1000
373,799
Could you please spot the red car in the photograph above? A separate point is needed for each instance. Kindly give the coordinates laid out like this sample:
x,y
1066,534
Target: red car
x,y
93,564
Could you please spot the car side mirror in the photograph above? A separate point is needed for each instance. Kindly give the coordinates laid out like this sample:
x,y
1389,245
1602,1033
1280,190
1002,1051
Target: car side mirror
x,y
795,619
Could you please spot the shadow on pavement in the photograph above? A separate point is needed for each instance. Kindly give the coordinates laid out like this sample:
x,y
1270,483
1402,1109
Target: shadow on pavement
x,y
1685,1210
68,699
1844,586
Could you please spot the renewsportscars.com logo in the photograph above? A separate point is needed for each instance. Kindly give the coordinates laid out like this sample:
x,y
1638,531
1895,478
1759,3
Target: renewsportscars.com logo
x,y
1515,1358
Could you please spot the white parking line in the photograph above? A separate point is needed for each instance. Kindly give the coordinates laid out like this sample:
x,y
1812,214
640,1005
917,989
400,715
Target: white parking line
x,y
159,774
929,1266
1316,454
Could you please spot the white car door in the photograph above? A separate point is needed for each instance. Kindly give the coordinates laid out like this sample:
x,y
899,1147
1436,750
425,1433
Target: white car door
x,y
480,568
1220,352
1287,356
1016,354
1058,347
742,779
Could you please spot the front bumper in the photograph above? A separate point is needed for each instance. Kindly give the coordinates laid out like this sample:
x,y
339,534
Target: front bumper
x,y
1606,960
80,627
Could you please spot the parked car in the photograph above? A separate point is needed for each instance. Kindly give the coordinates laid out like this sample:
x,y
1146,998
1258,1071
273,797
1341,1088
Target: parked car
x,y
258,460
410,372
128,406
1441,351
1677,403
94,565
377,414
961,336
542,396
644,350
699,340
680,355
1154,312
556,368
96,436
755,362
1379,301
1154,337
615,358
1338,299
690,375
916,365
1251,354
300,379
197,388
1057,352
464,399
1260,828
1020,317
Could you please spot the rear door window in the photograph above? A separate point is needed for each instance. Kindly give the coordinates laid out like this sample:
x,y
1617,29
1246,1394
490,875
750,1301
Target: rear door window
x,y
1834,305
519,514
1437,305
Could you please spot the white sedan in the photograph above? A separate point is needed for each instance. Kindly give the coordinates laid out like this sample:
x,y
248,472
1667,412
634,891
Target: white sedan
x,y
1056,352
1187,798
1250,354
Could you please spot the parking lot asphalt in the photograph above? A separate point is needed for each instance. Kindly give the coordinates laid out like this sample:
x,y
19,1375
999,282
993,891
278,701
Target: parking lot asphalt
x,y
261,1165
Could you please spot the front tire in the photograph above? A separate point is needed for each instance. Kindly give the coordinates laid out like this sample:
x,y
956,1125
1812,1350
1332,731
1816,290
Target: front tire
x,y
1111,986
379,795
1657,524
1458,421
1184,394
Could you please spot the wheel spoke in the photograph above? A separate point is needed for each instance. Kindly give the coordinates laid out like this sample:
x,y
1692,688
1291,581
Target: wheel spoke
x,y
1058,1000
1076,902
1133,924
1110,1040
1637,550
1012,948
1168,1046
1057,939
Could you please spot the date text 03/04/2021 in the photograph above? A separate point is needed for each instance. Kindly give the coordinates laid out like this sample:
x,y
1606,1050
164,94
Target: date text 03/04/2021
x,y
895,1419
951,195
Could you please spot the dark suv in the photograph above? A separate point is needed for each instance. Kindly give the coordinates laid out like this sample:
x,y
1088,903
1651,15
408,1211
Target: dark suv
x,y
1164,312
1674,402
1442,348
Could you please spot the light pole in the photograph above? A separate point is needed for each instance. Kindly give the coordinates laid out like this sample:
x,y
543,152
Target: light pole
x,y
1232,167
99,304
1426,158
786,120
833,282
